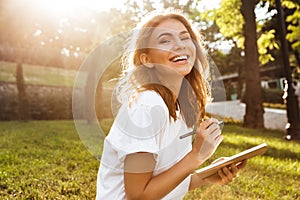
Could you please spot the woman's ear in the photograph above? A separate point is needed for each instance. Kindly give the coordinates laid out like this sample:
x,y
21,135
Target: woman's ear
x,y
146,60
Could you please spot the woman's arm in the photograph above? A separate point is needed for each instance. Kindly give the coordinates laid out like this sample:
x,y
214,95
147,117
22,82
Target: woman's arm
x,y
143,185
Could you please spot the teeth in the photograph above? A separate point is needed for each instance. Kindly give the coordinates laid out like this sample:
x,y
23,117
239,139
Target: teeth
x,y
180,58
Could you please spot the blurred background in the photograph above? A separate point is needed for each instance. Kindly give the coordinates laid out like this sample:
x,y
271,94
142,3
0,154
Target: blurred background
x,y
43,44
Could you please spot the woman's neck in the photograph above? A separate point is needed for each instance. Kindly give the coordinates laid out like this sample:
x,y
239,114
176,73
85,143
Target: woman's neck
x,y
173,84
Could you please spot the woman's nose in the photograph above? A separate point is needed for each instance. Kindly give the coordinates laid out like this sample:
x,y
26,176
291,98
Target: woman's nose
x,y
179,44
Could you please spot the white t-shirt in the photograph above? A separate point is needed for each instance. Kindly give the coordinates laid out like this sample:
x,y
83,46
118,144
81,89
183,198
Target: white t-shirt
x,y
143,126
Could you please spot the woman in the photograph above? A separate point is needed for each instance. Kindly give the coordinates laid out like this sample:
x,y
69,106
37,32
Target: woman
x,y
163,96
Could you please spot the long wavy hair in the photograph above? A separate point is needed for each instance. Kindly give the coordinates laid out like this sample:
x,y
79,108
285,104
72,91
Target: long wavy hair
x,y
136,77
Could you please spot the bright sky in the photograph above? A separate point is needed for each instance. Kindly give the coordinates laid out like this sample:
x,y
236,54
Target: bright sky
x,y
102,5
207,5
57,6
73,7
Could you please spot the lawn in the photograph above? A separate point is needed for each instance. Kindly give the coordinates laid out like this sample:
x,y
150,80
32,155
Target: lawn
x,y
36,74
47,75
47,160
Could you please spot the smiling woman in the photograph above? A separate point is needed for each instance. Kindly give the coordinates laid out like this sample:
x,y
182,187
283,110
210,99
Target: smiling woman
x,y
162,95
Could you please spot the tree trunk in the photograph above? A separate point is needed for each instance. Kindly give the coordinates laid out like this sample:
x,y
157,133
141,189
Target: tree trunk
x,y
99,101
253,95
297,57
22,98
90,97
241,80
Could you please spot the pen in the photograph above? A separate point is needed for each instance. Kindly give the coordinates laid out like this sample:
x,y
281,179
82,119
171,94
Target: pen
x,y
220,123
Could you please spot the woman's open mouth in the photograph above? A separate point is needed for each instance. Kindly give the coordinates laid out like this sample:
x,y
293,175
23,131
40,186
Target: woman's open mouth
x,y
178,58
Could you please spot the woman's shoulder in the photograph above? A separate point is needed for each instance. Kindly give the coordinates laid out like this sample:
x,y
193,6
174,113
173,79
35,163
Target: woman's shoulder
x,y
144,117
149,101
149,97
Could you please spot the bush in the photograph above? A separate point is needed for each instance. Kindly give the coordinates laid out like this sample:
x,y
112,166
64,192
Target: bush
x,y
272,95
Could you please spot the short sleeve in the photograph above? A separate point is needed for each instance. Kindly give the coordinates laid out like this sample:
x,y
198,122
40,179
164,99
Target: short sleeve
x,y
137,126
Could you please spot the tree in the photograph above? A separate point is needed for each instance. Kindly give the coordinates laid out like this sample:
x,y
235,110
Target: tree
x,y
38,35
236,21
22,97
253,96
294,24
270,27
293,35
60,39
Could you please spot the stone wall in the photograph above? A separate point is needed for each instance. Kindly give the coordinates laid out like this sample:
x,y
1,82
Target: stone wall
x,y
48,102
44,102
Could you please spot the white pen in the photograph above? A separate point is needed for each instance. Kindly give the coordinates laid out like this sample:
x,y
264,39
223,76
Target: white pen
x,y
220,123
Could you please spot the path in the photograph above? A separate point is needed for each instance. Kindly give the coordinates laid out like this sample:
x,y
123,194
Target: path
x,y
273,118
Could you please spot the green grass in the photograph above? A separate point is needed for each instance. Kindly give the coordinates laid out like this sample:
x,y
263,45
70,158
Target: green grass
x,y
36,74
275,175
7,71
45,75
47,160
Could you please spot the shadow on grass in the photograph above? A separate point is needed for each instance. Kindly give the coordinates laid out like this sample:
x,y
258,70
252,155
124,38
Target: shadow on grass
x,y
271,151
240,138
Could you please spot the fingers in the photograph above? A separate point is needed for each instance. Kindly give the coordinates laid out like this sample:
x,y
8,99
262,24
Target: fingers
x,y
213,138
209,127
208,122
234,170
242,164
227,174
208,138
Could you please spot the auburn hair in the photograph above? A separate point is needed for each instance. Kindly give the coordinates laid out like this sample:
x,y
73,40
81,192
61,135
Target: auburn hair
x,y
137,77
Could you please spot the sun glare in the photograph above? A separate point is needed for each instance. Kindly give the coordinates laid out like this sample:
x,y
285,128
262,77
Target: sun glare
x,y
101,5
73,6
207,5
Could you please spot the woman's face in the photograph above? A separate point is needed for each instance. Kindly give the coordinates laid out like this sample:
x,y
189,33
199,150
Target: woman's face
x,y
171,46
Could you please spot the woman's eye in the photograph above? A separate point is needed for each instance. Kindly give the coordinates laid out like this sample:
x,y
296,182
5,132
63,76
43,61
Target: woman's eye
x,y
165,41
185,38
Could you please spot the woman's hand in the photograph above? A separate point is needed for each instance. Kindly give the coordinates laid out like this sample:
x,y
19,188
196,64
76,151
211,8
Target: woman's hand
x,y
226,174
207,139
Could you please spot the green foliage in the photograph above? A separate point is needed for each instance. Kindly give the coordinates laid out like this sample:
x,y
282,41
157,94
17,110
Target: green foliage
x,y
288,4
230,22
294,29
229,19
266,42
229,15
47,160
293,34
